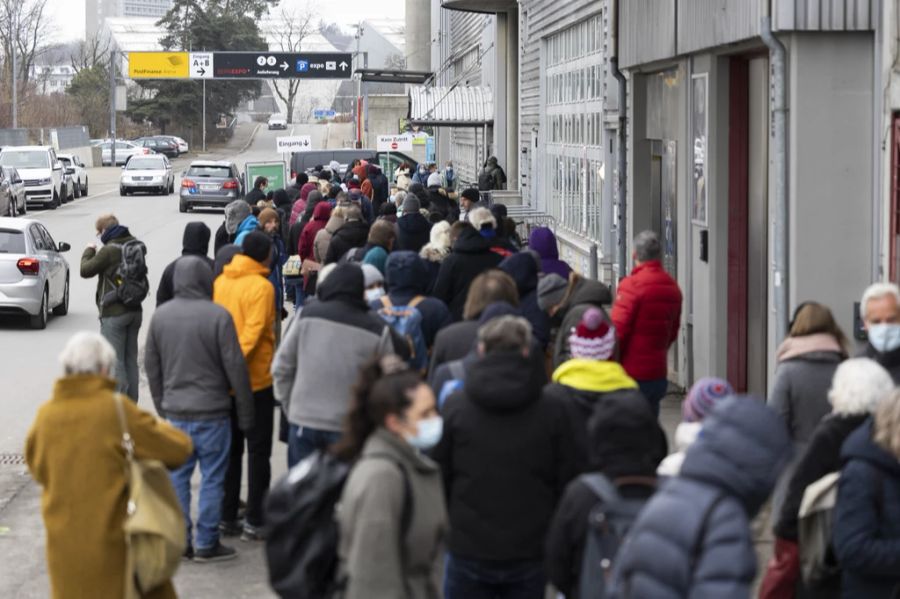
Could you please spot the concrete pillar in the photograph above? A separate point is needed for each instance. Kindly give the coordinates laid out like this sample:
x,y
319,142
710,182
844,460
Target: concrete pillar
x,y
418,35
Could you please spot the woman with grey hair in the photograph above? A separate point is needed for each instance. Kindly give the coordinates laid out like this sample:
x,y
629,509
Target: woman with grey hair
x,y
74,451
859,385
867,516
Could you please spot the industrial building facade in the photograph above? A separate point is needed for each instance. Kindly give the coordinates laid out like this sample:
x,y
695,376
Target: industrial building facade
x,y
755,218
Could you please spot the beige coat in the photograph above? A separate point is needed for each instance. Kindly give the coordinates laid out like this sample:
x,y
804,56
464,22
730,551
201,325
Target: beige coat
x,y
74,451
323,238
369,518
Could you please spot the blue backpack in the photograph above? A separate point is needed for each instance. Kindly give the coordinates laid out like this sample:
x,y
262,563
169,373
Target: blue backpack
x,y
407,321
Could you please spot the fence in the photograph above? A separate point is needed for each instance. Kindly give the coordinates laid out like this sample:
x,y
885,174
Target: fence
x,y
61,138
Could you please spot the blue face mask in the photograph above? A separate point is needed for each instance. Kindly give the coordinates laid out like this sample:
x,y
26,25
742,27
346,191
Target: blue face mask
x,y
884,337
430,432
449,173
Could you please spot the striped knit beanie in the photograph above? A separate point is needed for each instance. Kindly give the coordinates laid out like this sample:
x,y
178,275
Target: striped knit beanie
x,y
594,338
703,397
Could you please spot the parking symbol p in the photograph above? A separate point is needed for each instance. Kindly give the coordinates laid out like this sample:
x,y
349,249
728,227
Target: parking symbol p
x,y
302,66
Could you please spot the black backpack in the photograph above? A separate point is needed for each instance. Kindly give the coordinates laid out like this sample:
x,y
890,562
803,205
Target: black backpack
x,y
302,531
608,523
486,180
129,281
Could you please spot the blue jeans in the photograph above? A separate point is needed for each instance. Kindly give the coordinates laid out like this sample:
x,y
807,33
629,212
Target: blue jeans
x,y
654,391
212,441
304,441
482,579
122,334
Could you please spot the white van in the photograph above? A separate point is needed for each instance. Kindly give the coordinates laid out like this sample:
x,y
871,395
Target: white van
x,y
42,172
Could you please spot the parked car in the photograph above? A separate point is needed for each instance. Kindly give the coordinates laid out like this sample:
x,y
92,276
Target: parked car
x,y
45,181
182,145
7,198
160,145
124,151
16,189
34,276
147,173
210,183
302,162
77,172
277,121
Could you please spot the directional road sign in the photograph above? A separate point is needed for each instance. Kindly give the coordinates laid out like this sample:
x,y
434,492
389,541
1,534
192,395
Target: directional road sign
x,y
298,143
201,65
394,143
281,65
324,113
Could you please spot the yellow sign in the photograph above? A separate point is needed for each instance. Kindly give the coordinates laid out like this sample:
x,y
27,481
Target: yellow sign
x,y
158,65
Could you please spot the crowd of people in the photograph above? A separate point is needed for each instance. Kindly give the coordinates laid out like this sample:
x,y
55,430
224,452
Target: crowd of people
x,y
497,411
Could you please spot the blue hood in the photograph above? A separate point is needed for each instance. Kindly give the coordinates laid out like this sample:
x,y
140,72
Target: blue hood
x,y
742,449
406,274
859,445
523,268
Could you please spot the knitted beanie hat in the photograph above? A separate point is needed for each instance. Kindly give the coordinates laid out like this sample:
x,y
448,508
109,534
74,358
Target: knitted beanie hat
x,y
594,338
703,397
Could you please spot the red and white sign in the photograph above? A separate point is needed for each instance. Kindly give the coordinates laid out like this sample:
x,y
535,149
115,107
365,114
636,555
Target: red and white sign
x,y
395,143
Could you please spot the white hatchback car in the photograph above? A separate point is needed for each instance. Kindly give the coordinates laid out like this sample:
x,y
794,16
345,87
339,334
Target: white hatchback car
x,y
77,171
34,276
147,173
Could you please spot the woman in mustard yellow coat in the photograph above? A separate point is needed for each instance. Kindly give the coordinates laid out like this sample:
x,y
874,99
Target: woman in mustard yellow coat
x,y
74,450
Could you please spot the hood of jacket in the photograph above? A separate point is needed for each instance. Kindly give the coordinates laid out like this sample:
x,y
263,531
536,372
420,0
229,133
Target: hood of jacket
x,y
113,233
496,382
322,212
235,213
195,239
624,436
251,223
361,172
686,433
334,223
595,376
305,191
406,274
588,291
859,445
225,255
543,241
346,284
244,266
413,224
193,279
523,268
820,347
470,241
742,449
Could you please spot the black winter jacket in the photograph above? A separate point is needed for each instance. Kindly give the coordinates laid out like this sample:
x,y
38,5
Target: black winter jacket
x,y
352,234
867,518
890,360
195,242
413,232
523,268
405,278
470,257
506,457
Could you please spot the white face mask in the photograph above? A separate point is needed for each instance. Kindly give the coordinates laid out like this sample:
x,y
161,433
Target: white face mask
x,y
430,432
884,337
373,295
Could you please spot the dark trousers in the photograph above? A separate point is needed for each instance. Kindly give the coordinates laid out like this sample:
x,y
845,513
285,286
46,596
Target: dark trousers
x,y
481,579
259,453
654,391
303,441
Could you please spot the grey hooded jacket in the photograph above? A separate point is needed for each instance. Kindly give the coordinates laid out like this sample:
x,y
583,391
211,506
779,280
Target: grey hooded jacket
x,y
193,358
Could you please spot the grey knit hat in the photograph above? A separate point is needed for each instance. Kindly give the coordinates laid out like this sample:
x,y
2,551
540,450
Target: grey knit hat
x,y
411,204
551,291
235,213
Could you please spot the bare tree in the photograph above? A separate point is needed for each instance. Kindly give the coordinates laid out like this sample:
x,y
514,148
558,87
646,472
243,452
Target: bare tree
x,y
296,27
90,53
24,28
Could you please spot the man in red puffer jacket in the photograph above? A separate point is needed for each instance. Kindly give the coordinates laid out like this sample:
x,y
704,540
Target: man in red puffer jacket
x,y
647,315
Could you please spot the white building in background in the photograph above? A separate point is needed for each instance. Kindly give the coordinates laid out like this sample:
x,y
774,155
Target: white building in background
x,y
52,79
96,11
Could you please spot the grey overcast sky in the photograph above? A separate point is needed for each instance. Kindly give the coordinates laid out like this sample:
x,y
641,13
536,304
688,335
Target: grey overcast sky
x,y
68,15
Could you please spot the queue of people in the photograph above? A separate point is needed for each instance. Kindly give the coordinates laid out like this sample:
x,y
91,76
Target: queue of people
x,y
494,414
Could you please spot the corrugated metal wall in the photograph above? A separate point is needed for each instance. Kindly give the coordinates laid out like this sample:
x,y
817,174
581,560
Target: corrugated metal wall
x,y
646,31
826,15
706,23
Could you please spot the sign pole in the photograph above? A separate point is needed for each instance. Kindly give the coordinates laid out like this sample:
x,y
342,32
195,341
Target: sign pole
x,y
204,115
112,107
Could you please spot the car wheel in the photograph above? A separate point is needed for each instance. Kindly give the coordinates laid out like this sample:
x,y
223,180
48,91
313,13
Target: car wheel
x,y
11,208
63,308
84,190
54,203
71,197
77,189
39,320
172,187
182,207
122,192
24,208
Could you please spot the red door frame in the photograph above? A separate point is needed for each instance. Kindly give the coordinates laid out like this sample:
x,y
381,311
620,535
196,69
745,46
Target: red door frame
x,y
738,221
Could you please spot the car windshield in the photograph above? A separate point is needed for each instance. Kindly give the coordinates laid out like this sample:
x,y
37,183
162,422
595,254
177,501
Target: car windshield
x,y
25,159
136,164
209,171
11,242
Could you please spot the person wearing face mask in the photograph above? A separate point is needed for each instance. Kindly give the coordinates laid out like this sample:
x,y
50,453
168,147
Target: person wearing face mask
x,y
880,313
421,175
392,516
506,455
448,178
374,282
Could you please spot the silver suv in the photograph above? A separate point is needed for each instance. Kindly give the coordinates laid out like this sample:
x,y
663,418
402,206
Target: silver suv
x,y
45,181
210,183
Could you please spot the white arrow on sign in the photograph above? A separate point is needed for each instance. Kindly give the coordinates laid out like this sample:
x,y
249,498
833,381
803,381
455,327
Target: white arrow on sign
x,y
201,65
284,66
343,66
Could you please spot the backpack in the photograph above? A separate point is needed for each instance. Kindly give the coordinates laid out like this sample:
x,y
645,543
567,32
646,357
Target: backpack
x,y
302,532
818,563
486,180
407,321
130,284
353,256
458,372
608,523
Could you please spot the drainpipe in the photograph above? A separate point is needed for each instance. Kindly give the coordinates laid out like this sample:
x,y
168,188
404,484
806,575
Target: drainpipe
x,y
778,107
621,156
